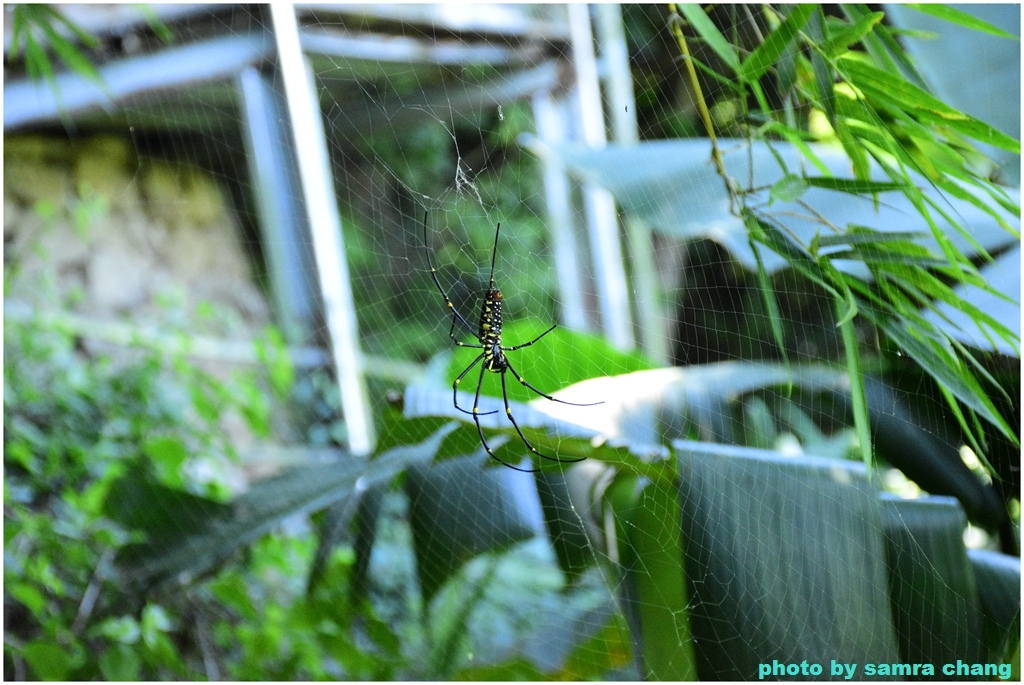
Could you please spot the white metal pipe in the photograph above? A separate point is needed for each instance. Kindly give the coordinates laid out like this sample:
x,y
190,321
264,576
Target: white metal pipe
x,y
549,118
325,226
599,204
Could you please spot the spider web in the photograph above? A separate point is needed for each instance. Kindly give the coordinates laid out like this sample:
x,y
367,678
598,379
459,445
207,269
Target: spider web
x,y
774,548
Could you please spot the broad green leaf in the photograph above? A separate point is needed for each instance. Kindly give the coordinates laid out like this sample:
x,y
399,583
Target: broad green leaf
x,y
998,582
458,510
800,545
953,15
658,573
930,576
560,358
566,530
196,545
767,53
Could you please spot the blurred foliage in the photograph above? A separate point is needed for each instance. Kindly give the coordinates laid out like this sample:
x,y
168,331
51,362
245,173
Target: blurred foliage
x,y
74,426
36,28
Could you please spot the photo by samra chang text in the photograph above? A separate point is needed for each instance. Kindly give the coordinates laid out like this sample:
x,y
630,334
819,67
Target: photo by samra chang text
x,y
957,669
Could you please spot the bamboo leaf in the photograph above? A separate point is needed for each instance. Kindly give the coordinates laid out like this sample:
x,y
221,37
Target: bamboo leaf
x,y
955,16
789,188
840,40
857,396
706,29
940,365
883,86
863,235
853,186
822,71
767,53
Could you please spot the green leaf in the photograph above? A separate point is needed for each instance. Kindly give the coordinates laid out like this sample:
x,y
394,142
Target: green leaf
x,y
840,39
853,186
864,235
955,16
168,451
36,61
47,660
458,510
938,361
854,149
883,47
823,76
155,622
272,351
707,30
122,629
567,533
774,530
30,596
71,55
197,544
18,26
87,39
765,55
857,397
120,664
884,87
789,188
659,575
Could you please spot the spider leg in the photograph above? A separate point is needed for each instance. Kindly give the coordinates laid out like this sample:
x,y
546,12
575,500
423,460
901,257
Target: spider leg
x,y
508,412
476,420
545,395
519,347
447,301
451,334
455,389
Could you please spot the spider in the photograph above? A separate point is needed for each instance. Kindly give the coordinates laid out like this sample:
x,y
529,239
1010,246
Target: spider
x,y
493,356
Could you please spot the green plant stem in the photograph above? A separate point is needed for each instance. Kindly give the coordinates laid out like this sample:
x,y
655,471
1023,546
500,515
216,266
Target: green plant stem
x,y
675,22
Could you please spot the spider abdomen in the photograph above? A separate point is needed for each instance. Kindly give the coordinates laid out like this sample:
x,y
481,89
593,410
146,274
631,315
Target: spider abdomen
x,y
490,331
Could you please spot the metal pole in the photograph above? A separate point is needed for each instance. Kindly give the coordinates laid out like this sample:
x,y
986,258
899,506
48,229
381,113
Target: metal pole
x,y
599,204
325,226
551,130
652,319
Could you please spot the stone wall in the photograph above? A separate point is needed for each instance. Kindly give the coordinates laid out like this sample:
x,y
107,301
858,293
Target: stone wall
x,y
89,226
